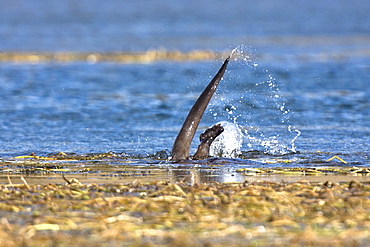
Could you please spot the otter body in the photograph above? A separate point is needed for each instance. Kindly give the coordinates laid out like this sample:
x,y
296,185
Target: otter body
x,y
181,146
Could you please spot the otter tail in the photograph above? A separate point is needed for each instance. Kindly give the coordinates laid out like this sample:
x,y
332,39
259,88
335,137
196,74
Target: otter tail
x,y
181,147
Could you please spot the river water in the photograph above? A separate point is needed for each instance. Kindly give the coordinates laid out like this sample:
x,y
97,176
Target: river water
x,y
297,85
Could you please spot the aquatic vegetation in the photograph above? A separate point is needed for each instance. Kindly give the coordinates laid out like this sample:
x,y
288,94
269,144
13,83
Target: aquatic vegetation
x,y
140,210
126,203
132,206
324,170
338,158
118,57
163,213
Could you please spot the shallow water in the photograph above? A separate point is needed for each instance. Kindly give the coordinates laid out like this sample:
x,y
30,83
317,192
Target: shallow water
x,y
138,109
298,81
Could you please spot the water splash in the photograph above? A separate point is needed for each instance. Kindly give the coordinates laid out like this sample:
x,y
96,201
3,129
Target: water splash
x,y
259,106
229,143
234,50
272,145
292,142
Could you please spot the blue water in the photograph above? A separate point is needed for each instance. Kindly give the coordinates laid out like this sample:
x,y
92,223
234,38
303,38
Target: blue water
x,y
302,67
90,25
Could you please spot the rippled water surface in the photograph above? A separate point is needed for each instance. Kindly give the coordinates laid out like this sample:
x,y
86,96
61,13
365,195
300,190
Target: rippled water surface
x,y
298,81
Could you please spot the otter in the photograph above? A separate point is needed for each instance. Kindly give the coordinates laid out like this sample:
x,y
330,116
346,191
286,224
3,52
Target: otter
x,y
181,146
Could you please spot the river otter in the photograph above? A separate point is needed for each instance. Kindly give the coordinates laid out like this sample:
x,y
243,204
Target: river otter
x,y
181,147
206,139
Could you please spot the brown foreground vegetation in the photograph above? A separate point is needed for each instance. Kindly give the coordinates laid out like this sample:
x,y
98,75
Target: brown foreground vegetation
x,y
178,214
